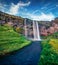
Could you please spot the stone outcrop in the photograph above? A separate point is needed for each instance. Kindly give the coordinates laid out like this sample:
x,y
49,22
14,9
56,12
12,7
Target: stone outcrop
x,y
46,27
52,29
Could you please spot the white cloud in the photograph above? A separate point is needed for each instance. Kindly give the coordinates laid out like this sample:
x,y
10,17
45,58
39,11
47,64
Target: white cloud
x,y
45,6
2,7
35,11
42,17
50,9
15,7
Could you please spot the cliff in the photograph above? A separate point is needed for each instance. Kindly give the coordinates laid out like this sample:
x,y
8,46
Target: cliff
x,y
46,27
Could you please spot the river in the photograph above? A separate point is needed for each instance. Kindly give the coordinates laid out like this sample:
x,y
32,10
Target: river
x,y
28,55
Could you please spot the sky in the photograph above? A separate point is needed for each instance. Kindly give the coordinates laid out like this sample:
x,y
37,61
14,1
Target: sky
x,y
41,10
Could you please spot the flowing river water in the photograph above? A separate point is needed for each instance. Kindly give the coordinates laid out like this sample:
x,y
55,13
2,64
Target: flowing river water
x,y
29,55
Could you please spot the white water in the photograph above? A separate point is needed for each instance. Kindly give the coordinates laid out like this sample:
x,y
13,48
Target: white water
x,y
35,31
25,25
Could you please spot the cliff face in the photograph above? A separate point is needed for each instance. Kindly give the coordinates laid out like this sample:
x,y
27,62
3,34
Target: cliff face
x,y
5,18
46,27
15,21
48,30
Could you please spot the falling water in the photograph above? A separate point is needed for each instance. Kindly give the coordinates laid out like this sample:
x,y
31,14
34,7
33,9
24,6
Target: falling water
x,y
36,30
25,27
36,33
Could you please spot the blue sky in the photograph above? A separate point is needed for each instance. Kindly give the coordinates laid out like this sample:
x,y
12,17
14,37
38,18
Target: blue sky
x,y
42,10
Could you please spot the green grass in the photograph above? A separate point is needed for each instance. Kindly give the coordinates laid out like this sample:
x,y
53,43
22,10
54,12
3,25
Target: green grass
x,y
54,44
11,40
49,54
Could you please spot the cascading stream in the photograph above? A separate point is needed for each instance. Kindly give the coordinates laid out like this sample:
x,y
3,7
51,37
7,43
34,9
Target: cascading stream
x,y
25,25
36,30
36,34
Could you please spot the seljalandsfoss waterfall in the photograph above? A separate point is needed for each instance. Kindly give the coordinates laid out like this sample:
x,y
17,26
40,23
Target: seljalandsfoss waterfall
x,y
32,30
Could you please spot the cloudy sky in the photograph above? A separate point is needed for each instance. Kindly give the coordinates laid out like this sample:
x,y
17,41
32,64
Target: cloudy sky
x,y
45,10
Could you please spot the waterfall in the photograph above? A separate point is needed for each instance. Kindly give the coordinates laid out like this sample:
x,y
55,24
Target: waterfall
x,y
25,25
36,30
36,34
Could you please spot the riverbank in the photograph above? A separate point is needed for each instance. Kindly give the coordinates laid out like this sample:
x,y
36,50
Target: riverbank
x,y
49,54
28,55
10,40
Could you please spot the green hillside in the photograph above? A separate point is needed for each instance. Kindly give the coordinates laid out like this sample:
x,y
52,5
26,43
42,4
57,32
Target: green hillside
x,y
49,54
10,40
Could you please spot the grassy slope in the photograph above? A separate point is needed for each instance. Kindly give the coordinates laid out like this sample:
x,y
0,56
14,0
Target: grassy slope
x,y
10,40
49,55
54,44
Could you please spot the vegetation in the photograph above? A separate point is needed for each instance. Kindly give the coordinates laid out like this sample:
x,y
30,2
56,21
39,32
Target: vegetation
x,y
49,55
10,40
54,43
19,30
